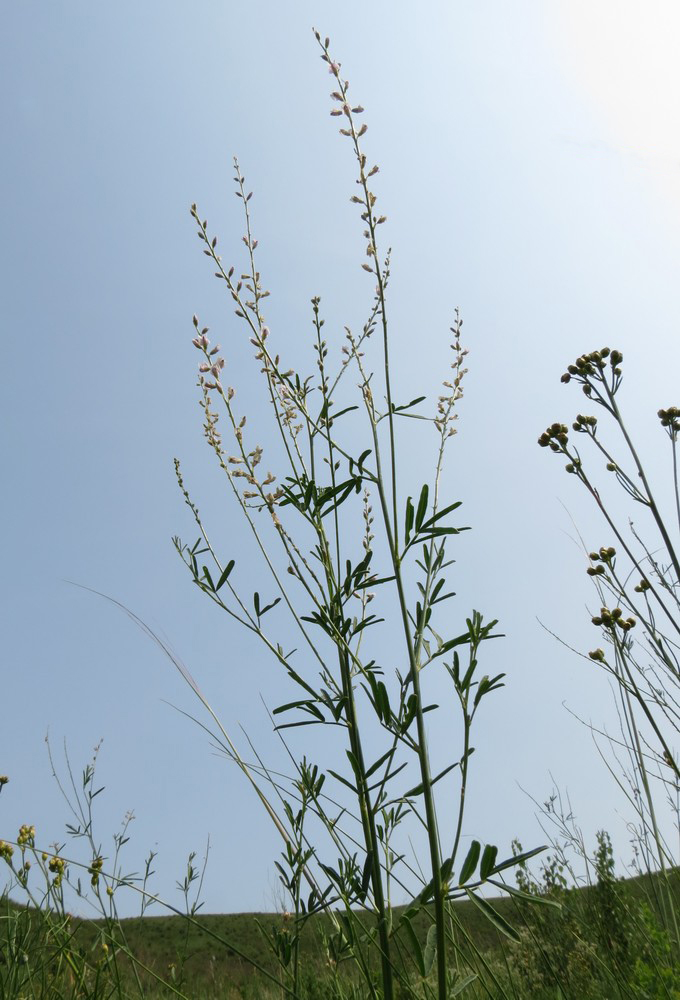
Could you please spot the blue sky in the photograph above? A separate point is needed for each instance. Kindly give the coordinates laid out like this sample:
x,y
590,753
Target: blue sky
x,y
529,160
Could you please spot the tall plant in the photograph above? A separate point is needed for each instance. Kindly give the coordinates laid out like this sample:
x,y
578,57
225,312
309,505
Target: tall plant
x,y
638,583
340,539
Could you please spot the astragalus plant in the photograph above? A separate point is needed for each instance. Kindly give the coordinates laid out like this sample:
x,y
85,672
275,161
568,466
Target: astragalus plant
x,y
356,565
638,580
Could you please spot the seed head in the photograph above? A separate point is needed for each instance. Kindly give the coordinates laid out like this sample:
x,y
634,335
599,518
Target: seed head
x,y
26,836
555,437
670,419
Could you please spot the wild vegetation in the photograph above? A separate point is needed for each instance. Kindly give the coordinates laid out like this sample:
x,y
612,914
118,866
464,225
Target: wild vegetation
x,y
357,559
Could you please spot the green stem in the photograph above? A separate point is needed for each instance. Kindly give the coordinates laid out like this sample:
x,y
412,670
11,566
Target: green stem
x,y
467,721
675,477
370,832
423,758
652,502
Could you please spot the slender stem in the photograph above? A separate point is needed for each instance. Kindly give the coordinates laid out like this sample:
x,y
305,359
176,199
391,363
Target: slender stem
x,y
670,916
641,472
674,444
463,778
423,757
370,833
624,544
365,806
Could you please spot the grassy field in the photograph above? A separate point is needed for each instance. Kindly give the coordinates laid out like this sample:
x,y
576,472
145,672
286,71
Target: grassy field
x,y
618,931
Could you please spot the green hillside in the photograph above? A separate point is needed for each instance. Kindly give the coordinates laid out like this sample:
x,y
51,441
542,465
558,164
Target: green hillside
x,y
205,958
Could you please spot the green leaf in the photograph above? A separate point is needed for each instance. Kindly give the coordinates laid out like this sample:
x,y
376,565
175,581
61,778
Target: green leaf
x,y
343,781
326,495
409,713
378,697
366,876
383,700
342,412
422,506
303,683
460,985
268,607
517,859
340,499
381,760
371,620
206,574
362,458
470,862
407,406
256,604
296,725
331,872
440,513
372,581
418,790
488,861
408,524
430,950
383,781
415,944
526,896
287,707
437,532
499,922
486,685
336,706
450,643
467,679
444,597
225,575
427,893
354,764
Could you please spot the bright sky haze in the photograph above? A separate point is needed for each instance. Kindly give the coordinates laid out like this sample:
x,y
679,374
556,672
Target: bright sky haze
x,y
530,171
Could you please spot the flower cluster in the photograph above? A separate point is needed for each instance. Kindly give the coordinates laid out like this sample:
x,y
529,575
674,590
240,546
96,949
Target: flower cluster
x,y
613,619
212,364
366,200
95,870
58,868
446,402
251,461
670,419
585,425
593,365
368,522
26,836
6,851
555,437
603,559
